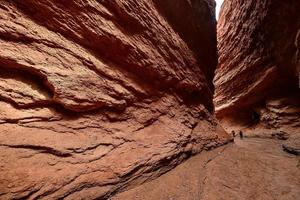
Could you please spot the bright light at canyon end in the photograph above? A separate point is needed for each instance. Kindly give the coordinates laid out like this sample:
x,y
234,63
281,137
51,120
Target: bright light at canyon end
x,y
218,7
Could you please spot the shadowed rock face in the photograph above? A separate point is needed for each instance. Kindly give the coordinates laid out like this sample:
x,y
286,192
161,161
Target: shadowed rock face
x,y
257,79
98,96
199,30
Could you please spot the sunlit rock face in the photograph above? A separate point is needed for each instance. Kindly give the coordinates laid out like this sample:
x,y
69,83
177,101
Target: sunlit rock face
x,y
257,79
98,96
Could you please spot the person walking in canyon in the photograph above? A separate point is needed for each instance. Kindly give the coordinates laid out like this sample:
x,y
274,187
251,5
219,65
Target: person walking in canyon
x,y
233,133
241,135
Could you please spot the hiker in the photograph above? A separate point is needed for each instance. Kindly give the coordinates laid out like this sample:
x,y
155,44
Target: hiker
x,y
233,133
255,117
241,135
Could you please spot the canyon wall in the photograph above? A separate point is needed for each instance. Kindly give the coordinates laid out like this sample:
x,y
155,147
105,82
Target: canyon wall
x,y
257,79
99,96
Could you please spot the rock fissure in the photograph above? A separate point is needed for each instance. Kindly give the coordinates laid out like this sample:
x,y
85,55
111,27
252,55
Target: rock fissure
x,y
41,149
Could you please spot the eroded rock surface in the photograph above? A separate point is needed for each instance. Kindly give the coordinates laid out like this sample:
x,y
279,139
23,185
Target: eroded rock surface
x,y
257,79
98,96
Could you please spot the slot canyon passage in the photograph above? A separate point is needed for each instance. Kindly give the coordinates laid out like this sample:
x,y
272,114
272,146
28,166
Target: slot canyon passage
x,y
136,99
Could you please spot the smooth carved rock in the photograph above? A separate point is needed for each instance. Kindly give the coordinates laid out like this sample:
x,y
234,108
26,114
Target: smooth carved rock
x,y
259,63
99,96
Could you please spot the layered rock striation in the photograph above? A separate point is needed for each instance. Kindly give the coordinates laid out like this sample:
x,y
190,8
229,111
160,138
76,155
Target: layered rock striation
x,y
99,96
257,79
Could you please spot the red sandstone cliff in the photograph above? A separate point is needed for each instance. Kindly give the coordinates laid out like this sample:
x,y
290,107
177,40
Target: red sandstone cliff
x,y
97,96
257,80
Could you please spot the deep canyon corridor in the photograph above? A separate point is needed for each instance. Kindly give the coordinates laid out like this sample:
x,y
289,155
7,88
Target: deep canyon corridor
x,y
140,99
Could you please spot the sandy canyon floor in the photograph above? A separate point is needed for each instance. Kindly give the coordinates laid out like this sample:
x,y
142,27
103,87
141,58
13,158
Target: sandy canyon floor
x,y
248,169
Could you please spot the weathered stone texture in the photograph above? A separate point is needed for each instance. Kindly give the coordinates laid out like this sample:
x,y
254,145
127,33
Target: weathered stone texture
x,y
101,95
257,79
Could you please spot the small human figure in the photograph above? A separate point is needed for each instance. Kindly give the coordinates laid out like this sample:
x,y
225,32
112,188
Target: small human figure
x,y
233,133
255,117
241,135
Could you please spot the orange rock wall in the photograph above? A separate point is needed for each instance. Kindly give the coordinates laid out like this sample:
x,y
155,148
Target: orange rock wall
x,y
99,96
259,62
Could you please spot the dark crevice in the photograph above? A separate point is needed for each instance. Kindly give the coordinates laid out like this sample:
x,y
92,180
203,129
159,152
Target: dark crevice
x,y
40,149
31,76
177,13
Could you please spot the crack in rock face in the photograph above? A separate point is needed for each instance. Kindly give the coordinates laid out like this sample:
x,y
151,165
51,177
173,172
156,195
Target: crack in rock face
x,y
257,78
100,96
